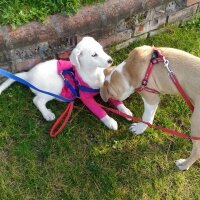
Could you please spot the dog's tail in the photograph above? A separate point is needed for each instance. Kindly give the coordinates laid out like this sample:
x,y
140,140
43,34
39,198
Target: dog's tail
x,y
8,82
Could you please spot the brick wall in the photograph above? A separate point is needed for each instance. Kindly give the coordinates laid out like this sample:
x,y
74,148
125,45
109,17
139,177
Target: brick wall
x,y
120,21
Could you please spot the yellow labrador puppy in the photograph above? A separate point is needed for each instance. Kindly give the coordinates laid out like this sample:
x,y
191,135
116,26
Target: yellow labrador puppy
x,y
127,77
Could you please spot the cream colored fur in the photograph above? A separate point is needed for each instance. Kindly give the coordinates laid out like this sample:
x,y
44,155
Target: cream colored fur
x,y
122,81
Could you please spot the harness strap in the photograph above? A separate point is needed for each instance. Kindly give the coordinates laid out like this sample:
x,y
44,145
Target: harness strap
x,y
70,72
155,58
75,90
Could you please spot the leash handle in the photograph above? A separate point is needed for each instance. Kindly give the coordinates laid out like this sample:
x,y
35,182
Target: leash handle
x,y
62,120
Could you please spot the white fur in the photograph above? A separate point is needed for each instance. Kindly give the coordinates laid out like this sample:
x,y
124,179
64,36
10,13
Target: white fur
x,y
110,122
118,68
128,88
124,109
90,60
181,164
148,116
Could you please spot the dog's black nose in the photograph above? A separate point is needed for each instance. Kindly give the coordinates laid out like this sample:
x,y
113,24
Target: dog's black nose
x,y
110,61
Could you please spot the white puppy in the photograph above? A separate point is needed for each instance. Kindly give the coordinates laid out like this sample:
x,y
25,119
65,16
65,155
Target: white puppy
x,y
89,59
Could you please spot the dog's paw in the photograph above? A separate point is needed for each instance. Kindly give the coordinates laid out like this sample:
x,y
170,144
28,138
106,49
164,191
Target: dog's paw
x,y
181,164
49,115
125,110
138,128
110,122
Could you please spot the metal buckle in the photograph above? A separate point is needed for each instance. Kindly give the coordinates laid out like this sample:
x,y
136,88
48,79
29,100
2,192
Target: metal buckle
x,y
144,82
166,64
63,77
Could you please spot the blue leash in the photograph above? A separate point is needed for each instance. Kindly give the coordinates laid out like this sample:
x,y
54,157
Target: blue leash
x,y
26,83
75,91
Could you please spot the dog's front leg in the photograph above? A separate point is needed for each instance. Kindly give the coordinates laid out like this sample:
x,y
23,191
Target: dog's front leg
x,y
121,107
150,108
110,122
40,102
100,113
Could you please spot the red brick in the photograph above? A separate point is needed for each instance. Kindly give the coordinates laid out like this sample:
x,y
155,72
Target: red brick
x,y
22,65
5,66
191,2
85,20
44,32
150,25
116,38
31,33
101,21
22,36
182,14
2,41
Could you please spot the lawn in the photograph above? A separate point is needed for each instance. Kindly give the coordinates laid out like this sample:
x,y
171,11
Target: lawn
x,y
19,12
88,161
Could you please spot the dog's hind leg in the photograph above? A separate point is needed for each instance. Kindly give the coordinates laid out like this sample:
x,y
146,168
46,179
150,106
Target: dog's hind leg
x,y
8,82
40,103
184,164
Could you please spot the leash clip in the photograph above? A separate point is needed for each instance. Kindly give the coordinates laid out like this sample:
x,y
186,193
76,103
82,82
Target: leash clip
x,y
166,64
63,77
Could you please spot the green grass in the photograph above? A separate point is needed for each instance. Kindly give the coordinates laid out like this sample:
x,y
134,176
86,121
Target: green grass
x,y
88,161
19,12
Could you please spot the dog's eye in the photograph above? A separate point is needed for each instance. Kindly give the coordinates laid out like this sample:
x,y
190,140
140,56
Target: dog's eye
x,y
94,55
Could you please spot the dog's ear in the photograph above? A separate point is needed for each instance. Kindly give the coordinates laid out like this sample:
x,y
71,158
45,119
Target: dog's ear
x,y
104,91
74,57
108,70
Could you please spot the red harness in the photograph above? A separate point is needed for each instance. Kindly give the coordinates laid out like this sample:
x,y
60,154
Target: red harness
x,y
156,58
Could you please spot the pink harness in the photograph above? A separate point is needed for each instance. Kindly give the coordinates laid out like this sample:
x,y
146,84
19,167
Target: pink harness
x,y
86,97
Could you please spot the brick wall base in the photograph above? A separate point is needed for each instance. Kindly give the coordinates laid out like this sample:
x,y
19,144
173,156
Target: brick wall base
x,y
115,21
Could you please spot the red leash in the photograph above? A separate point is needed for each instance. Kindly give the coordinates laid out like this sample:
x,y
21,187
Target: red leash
x,y
166,130
62,120
67,113
156,57
181,91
